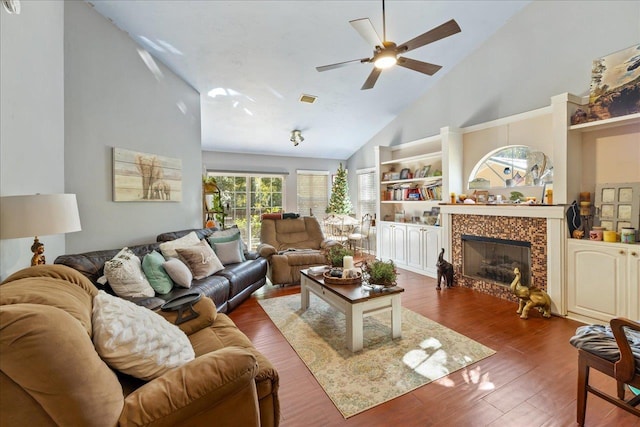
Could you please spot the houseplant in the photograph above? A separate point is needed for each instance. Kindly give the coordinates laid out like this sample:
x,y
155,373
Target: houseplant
x,y
380,273
336,254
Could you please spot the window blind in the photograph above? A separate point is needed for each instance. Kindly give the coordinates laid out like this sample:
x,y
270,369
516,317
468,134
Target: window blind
x,y
313,192
366,192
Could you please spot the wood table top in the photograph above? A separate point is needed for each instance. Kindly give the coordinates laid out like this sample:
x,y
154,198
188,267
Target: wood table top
x,y
352,293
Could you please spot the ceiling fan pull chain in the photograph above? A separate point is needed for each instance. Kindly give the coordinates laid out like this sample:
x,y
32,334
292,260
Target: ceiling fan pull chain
x,y
384,25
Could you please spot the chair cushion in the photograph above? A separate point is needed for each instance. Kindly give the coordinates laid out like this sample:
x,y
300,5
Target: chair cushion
x,y
599,340
136,340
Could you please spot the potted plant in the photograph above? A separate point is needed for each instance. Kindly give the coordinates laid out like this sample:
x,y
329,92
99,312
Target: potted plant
x,y
209,184
380,273
336,254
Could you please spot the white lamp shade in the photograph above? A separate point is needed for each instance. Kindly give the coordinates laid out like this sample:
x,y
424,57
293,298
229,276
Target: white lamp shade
x,y
38,215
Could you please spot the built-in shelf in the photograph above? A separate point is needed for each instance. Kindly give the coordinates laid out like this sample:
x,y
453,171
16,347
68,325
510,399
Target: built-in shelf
x,y
629,119
416,180
429,156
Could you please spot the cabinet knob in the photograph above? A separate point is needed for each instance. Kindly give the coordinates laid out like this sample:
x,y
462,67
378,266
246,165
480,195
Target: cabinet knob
x,y
634,254
621,252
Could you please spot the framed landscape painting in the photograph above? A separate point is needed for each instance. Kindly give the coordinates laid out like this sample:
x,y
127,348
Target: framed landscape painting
x,y
615,85
145,177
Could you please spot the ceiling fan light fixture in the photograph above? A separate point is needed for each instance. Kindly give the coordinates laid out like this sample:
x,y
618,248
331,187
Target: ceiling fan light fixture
x,y
296,137
385,59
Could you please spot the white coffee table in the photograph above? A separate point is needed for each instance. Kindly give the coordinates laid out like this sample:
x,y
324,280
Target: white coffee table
x,y
356,303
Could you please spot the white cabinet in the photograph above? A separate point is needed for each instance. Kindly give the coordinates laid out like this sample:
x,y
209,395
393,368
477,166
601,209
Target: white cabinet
x,y
603,280
423,244
393,245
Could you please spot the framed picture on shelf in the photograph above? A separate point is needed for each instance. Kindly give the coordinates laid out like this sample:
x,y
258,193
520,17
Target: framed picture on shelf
x,y
482,196
425,171
386,176
404,173
417,173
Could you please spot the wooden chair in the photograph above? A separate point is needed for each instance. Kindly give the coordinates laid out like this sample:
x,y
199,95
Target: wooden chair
x,y
610,351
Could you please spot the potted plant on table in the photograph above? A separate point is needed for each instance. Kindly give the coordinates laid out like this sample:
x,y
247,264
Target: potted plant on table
x,y
336,254
380,273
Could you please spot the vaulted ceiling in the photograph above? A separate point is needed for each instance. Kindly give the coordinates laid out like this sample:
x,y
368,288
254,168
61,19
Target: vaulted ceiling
x,y
252,60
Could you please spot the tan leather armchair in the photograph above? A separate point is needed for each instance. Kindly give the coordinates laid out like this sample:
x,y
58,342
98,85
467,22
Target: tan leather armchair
x,y
291,245
50,373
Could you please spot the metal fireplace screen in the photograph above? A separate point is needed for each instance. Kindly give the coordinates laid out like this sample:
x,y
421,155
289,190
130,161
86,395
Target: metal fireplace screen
x,y
489,259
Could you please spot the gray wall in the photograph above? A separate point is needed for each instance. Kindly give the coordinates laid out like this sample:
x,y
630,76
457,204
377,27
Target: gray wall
x,y
31,116
544,50
113,100
213,160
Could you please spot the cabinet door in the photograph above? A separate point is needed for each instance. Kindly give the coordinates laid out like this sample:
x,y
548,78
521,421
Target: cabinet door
x,y
596,280
399,233
415,246
432,243
385,241
634,284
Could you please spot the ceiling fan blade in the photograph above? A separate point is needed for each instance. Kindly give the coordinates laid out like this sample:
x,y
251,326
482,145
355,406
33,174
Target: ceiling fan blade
x,y
366,30
445,30
423,67
341,64
371,80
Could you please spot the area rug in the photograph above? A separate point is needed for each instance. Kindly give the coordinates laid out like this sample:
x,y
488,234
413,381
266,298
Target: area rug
x,y
386,368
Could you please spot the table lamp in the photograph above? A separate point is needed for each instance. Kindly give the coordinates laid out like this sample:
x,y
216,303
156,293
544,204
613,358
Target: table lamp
x,y
38,215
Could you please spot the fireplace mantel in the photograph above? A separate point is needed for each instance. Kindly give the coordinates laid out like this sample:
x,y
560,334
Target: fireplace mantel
x,y
549,217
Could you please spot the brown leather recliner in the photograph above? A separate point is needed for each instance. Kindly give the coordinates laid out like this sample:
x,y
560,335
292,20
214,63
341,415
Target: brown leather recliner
x,y
51,374
291,245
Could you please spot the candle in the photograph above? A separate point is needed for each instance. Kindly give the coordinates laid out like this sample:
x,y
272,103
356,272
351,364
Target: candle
x,y
347,262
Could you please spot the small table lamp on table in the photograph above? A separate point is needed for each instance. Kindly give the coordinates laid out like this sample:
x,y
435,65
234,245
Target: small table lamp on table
x,y
38,215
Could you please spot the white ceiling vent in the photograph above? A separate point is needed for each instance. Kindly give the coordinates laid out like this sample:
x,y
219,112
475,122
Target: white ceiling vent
x,y
309,99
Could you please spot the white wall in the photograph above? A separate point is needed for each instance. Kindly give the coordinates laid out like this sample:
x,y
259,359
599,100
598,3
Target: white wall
x,y
31,116
213,160
113,100
544,50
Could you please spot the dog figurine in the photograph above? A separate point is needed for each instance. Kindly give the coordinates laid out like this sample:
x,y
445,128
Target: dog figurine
x,y
445,270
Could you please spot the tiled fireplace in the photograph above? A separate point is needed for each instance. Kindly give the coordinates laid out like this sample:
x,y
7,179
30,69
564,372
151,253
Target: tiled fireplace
x,y
537,233
532,231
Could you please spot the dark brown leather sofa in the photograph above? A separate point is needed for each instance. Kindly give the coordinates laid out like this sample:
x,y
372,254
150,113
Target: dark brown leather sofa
x,y
227,288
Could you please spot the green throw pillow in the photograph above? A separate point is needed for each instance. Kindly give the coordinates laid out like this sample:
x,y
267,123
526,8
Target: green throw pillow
x,y
229,235
155,272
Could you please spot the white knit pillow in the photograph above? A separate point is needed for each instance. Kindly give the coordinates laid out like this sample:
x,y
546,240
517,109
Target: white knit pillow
x,y
136,340
125,276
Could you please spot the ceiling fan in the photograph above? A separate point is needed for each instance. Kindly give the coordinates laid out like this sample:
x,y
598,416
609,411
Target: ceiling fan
x,y
386,53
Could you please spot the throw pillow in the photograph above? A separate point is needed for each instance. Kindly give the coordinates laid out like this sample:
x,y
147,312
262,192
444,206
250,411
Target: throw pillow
x,y
227,252
158,278
136,340
179,272
168,249
200,259
228,235
125,276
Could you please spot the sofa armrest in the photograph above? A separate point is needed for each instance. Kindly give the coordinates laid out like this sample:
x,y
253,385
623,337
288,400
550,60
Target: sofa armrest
x,y
266,250
220,384
251,255
206,309
327,243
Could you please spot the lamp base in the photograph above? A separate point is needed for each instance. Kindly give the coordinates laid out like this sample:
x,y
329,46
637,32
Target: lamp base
x,y
38,252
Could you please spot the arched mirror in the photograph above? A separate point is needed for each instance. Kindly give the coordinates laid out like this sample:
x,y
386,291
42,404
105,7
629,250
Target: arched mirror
x,y
512,166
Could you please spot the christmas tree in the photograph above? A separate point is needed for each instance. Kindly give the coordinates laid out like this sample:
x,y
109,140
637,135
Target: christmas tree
x,y
339,203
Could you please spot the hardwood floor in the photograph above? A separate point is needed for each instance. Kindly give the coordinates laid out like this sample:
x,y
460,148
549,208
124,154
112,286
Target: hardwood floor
x,y
529,382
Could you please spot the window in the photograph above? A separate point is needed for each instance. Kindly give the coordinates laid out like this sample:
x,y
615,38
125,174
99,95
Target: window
x,y
313,192
511,166
245,197
366,192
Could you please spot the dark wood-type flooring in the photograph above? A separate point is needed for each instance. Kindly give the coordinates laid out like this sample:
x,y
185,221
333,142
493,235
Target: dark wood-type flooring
x,y
529,382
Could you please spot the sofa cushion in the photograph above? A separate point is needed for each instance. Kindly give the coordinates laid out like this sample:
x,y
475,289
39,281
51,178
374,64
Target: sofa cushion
x,y
202,233
228,235
244,274
228,252
200,259
152,265
49,355
125,276
169,248
135,340
179,272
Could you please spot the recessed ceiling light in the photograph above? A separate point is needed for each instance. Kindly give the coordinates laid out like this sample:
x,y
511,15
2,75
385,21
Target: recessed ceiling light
x,y
309,99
